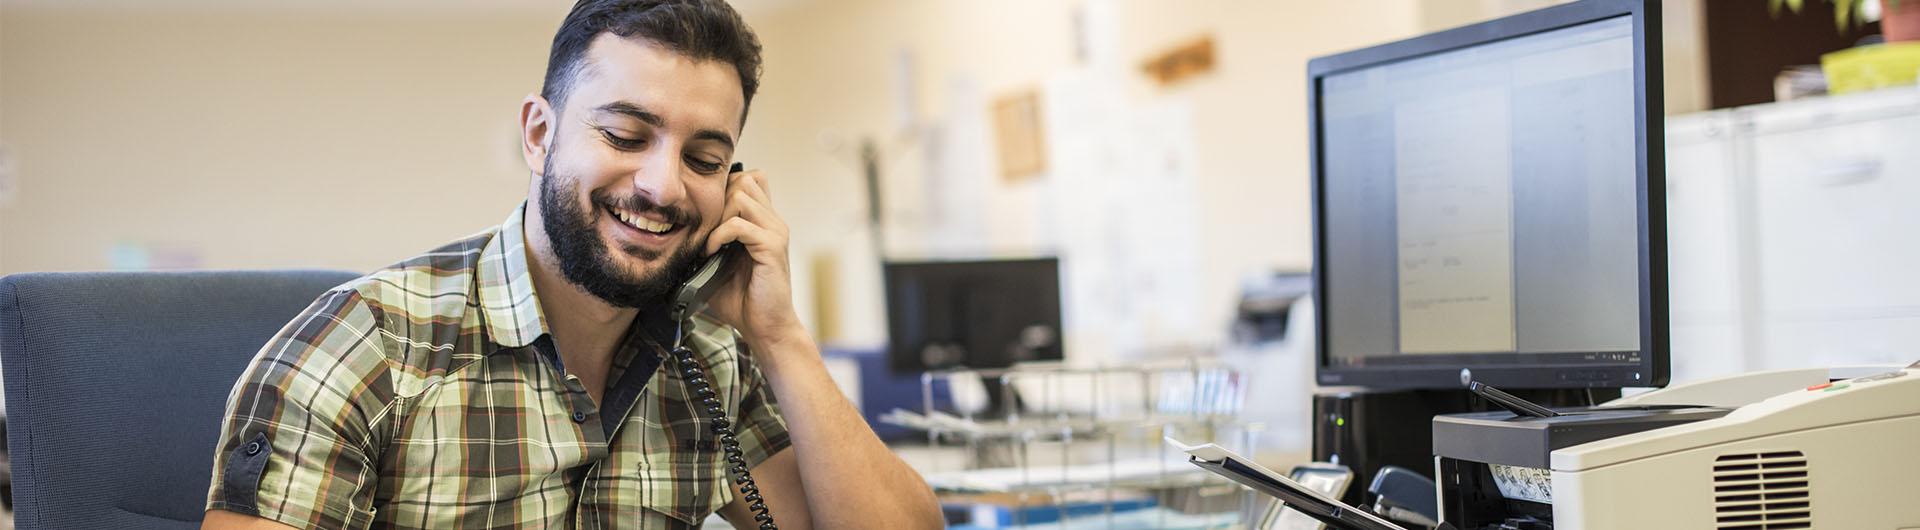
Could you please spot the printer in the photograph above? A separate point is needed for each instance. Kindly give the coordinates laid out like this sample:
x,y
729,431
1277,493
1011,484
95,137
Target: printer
x,y
1812,448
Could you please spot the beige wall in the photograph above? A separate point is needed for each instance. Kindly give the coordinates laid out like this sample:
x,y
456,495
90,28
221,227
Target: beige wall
x,y
259,137
1249,116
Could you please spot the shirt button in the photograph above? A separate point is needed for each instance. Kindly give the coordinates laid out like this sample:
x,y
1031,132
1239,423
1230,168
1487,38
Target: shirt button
x,y
253,448
579,417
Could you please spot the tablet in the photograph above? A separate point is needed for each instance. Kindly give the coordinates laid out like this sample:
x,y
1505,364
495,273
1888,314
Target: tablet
x,y
1328,479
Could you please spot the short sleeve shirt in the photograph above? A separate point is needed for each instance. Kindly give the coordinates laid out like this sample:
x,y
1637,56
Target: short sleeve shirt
x,y
428,395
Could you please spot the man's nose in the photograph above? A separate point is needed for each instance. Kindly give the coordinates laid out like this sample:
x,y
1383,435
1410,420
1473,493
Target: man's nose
x,y
659,178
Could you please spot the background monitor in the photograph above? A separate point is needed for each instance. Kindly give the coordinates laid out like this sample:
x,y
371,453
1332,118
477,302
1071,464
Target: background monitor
x,y
972,314
1488,199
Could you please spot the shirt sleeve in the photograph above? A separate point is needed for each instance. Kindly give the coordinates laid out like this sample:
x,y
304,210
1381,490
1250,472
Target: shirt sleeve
x,y
763,430
298,443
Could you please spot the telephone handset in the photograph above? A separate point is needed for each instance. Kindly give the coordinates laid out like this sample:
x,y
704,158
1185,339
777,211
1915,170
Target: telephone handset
x,y
688,299
692,296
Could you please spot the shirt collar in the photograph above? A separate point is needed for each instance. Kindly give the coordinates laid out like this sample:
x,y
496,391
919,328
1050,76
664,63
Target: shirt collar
x,y
505,286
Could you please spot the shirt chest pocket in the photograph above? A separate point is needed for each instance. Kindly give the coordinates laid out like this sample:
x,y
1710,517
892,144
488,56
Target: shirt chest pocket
x,y
682,469
687,490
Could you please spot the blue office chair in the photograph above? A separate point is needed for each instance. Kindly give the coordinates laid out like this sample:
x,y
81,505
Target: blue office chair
x,y
116,383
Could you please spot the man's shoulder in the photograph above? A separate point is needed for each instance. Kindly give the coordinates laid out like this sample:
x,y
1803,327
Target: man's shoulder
x,y
436,284
422,312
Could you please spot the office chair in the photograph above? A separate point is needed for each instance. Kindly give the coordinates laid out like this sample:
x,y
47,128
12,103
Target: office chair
x,y
116,383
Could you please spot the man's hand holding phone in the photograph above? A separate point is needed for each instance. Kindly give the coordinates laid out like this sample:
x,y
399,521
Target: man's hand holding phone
x,y
758,298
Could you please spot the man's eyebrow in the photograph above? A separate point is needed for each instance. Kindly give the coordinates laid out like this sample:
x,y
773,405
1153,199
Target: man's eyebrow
x,y
641,113
717,136
636,111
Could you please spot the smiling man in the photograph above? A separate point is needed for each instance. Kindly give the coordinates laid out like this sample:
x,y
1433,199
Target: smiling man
x,y
520,377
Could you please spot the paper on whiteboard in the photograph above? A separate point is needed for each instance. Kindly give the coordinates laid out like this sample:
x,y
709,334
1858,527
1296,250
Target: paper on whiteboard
x,y
1127,216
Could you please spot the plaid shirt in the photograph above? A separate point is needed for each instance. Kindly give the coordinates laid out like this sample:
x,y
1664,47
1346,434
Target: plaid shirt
x,y
428,395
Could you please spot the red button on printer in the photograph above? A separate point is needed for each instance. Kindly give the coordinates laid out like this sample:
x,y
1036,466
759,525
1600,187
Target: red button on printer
x,y
1819,386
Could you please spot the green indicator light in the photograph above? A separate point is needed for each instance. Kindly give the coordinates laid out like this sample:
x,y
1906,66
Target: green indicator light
x,y
1339,422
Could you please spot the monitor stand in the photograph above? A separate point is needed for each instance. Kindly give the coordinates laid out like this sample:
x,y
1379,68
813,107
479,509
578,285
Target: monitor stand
x,y
1002,399
1366,430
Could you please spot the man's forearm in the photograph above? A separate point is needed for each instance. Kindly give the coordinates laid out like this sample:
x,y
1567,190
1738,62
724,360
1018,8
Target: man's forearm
x,y
851,479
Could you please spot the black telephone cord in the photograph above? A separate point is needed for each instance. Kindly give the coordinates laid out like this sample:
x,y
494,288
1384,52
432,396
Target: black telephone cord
x,y
697,383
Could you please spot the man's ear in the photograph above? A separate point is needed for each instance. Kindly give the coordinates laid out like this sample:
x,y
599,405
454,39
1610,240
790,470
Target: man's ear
x,y
536,132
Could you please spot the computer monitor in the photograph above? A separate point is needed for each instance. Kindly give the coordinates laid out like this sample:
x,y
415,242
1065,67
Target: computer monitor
x,y
972,314
1488,204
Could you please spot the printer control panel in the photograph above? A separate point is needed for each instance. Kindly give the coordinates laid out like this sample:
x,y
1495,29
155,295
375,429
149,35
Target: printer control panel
x,y
1837,386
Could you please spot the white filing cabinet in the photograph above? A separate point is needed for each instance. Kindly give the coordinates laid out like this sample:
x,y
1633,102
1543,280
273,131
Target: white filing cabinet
x,y
1703,259
1794,234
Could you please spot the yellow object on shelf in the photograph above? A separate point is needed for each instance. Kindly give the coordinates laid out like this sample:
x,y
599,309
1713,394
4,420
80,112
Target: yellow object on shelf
x,y
1870,67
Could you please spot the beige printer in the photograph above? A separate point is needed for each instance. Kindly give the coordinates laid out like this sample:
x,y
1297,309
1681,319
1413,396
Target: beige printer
x,y
1793,449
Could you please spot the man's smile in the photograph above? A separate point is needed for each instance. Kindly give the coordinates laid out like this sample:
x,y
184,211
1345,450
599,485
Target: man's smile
x,y
641,234
641,221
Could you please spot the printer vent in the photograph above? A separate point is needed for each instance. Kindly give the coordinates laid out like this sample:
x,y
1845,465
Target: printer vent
x,y
1762,491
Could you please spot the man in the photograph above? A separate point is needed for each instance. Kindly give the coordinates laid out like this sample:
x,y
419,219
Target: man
x,y
519,378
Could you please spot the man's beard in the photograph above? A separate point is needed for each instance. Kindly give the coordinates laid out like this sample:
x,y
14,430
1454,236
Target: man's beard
x,y
585,259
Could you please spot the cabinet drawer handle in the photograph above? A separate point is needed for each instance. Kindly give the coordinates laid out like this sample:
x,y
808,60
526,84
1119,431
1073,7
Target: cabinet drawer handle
x,y
1839,173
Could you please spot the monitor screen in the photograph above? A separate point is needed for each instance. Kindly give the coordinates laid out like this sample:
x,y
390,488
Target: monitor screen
x,y
1481,207
972,314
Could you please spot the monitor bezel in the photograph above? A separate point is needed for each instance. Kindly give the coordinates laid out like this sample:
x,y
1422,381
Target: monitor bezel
x,y
1652,368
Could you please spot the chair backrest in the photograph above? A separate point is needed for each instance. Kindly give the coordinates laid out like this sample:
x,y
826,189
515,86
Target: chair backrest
x,y
116,383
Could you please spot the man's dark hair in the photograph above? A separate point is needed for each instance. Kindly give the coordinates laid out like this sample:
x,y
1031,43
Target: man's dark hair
x,y
701,29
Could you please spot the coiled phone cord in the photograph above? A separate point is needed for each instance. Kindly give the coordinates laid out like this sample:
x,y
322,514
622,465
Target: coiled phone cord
x,y
697,383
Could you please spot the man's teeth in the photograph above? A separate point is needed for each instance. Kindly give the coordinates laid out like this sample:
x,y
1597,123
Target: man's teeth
x,y
643,223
